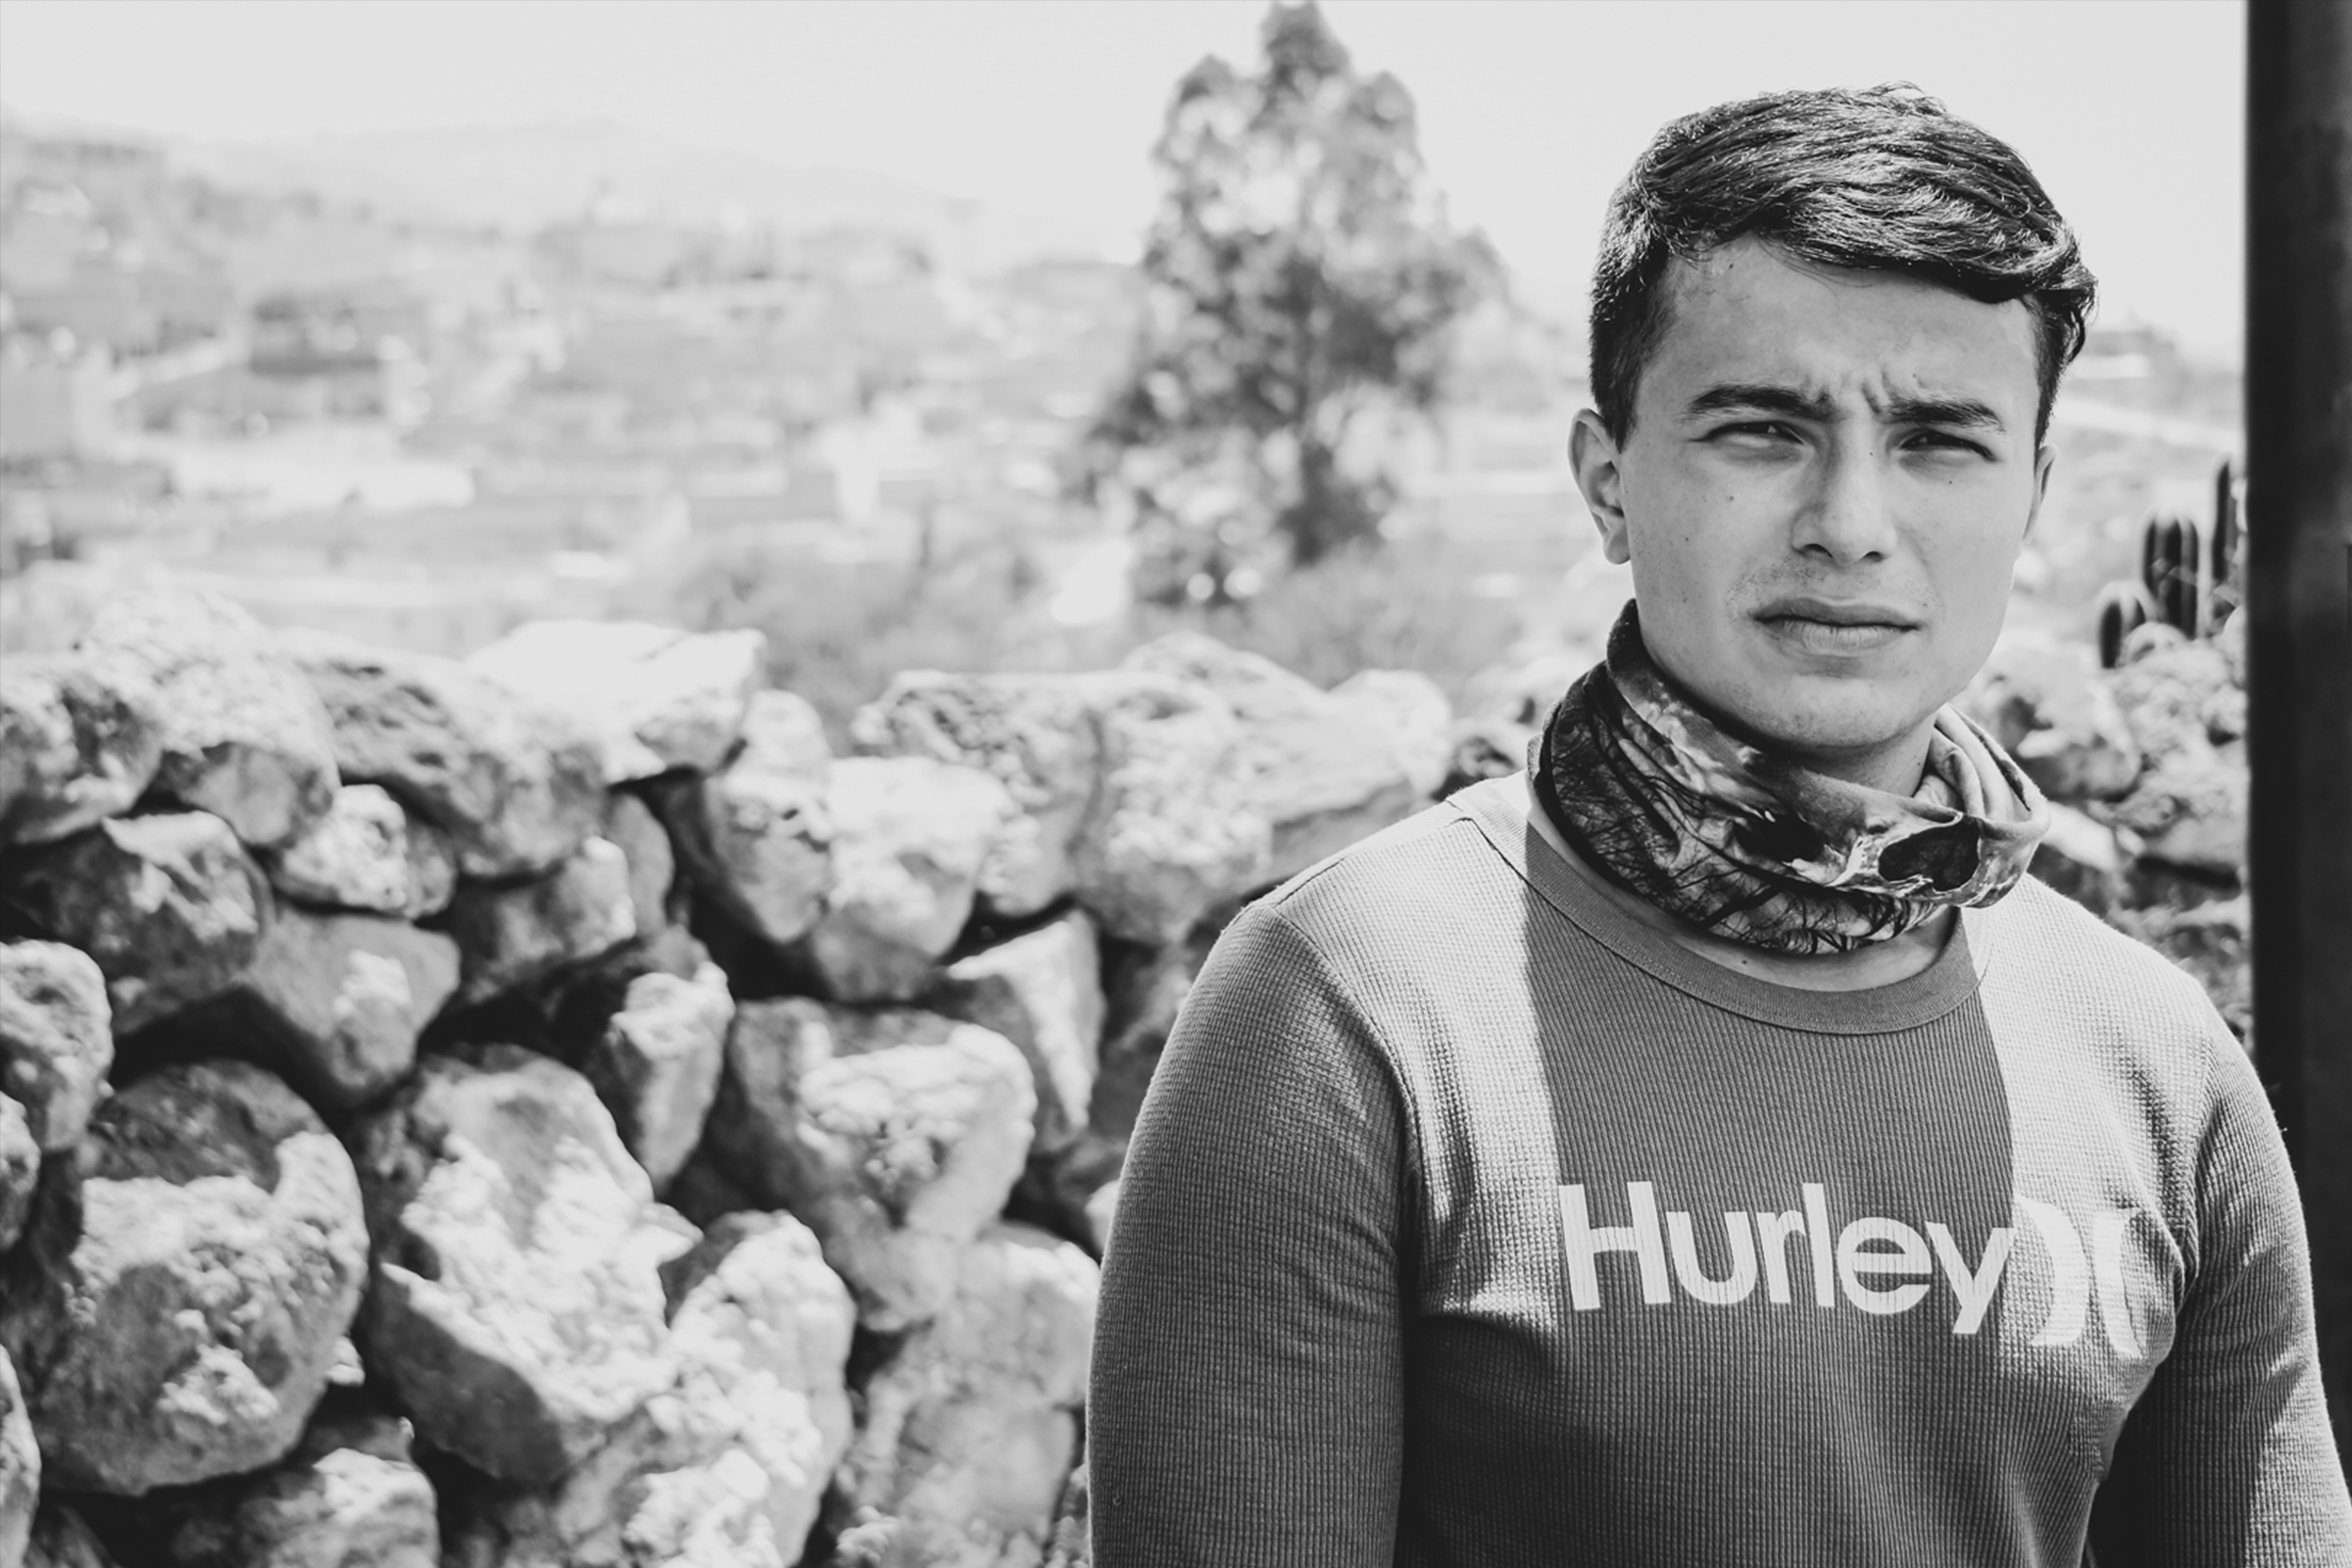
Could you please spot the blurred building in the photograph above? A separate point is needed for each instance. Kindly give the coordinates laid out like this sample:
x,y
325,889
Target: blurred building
x,y
56,399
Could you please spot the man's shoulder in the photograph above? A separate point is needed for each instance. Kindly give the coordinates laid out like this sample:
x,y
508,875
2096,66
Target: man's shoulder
x,y
1411,868
1367,915
2048,945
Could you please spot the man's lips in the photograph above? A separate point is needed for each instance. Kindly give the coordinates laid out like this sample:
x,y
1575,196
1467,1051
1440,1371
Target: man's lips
x,y
1837,612
1832,628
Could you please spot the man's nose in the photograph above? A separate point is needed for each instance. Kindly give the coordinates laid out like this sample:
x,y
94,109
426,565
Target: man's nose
x,y
1845,519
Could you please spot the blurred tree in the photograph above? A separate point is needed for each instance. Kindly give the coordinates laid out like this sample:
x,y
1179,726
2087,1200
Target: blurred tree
x,y
1301,276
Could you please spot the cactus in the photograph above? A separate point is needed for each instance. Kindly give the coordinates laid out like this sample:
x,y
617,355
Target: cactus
x,y
2187,574
2123,610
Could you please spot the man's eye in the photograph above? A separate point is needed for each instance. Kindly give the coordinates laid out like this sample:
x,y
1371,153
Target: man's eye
x,y
1759,429
1941,441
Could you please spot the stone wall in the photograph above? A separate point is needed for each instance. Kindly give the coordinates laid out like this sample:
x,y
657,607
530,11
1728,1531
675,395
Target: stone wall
x,y
548,1109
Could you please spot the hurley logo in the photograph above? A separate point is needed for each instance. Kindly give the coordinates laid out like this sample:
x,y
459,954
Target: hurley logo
x,y
1879,1265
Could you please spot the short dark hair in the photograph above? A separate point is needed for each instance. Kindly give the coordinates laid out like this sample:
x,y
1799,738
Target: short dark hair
x,y
1882,178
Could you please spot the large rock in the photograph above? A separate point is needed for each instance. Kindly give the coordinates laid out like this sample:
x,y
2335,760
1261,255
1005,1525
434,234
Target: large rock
x,y
2081,857
2187,714
1036,734
2189,809
170,907
517,787
725,1468
338,1001
755,836
657,1063
1415,714
62,1539
1321,770
1043,991
1071,1187
656,697
513,934
2048,704
2176,693
19,1468
970,1429
188,1326
56,1043
244,736
367,854
909,837
1482,749
1175,830
631,828
517,1306
19,1169
81,738
348,1497
897,1135
1128,785
1524,691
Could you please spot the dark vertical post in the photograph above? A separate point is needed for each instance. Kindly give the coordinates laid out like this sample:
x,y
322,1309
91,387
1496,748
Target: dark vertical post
x,y
2300,614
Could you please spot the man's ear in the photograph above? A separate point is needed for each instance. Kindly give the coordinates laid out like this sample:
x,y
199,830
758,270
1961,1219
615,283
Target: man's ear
x,y
1595,457
2043,461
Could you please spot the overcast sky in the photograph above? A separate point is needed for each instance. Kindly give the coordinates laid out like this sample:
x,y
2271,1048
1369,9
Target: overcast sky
x,y
1530,112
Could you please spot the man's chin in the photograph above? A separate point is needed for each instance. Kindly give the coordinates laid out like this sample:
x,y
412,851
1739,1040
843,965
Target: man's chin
x,y
1834,728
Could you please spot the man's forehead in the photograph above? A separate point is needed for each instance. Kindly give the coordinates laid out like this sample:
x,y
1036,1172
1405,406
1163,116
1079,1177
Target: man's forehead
x,y
1744,312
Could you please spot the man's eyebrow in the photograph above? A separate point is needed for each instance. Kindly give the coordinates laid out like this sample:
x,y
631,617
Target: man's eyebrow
x,y
1960,414
1762,397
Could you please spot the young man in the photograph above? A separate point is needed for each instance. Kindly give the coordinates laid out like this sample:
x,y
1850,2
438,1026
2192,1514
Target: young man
x,y
1709,1149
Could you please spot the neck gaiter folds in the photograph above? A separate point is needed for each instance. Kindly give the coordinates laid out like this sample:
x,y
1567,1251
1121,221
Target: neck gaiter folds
x,y
1756,846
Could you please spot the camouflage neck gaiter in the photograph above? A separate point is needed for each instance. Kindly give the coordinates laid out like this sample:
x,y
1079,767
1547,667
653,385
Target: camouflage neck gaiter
x,y
1757,847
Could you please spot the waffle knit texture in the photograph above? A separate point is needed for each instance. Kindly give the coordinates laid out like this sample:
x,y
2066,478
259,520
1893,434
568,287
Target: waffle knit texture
x,y
1470,1223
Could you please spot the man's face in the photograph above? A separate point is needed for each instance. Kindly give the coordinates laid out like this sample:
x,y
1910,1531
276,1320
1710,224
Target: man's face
x,y
1828,480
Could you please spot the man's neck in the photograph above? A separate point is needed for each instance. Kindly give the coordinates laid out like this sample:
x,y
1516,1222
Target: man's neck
x,y
1874,963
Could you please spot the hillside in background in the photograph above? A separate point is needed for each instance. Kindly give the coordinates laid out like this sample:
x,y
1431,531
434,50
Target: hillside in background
x,y
520,178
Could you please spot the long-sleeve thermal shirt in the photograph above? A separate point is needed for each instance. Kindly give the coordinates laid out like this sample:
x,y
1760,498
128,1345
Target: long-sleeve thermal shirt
x,y
1470,1221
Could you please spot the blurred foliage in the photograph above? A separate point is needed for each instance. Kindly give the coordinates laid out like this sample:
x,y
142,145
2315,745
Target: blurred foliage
x,y
837,632
1302,287
1402,607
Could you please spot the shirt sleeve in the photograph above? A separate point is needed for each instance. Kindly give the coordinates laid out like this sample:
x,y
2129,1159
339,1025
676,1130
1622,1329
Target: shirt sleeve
x,y
1247,1396
2228,1461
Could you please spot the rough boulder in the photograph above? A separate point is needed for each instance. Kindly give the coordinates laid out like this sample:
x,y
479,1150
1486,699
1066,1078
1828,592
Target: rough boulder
x,y
909,837
348,1497
970,1429
81,738
516,786
1041,991
338,1000
1323,768
367,854
897,1135
1124,786
727,1467
187,1327
655,697
170,907
656,1065
57,1043
516,933
756,836
517,1305
244,736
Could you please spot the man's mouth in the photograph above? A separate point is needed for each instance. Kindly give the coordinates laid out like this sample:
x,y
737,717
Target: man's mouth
x,y
1835,626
